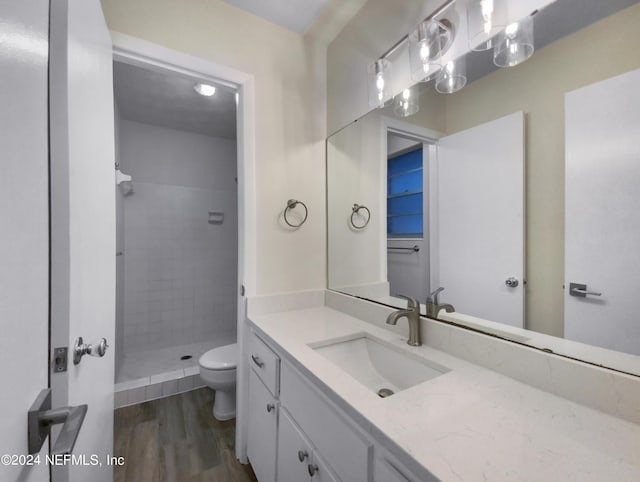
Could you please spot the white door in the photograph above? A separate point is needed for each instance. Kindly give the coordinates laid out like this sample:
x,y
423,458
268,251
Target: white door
x,y
602,215
479,224
83,220
24,239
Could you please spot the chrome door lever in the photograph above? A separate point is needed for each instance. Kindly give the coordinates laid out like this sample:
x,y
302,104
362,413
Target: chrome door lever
x,y
41,417
580,290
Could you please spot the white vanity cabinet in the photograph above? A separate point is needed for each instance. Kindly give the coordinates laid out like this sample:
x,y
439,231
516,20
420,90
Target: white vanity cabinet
x,y
296,434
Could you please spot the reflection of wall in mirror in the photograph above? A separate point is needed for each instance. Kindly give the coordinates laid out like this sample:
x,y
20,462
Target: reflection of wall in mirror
x,y
537,87
355,173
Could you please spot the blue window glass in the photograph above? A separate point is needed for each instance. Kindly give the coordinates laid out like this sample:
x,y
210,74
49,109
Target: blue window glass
x,y
405,195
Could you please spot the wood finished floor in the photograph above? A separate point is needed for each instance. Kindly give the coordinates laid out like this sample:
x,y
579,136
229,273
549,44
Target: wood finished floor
x,y
176,439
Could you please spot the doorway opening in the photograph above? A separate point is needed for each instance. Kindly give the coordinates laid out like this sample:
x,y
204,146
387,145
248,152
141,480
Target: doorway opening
x,y
176,228
408,227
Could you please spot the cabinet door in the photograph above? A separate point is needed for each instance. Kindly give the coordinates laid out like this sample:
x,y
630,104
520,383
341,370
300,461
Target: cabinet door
x,y
263,422
294,451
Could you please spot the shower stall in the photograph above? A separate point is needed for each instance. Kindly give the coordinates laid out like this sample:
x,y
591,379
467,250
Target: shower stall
x,y
177,230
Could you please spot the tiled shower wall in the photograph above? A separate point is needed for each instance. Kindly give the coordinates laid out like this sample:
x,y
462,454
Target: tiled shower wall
x,y
180,271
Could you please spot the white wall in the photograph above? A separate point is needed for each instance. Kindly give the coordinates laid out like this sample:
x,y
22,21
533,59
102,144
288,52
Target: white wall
x,y
180,271
290,91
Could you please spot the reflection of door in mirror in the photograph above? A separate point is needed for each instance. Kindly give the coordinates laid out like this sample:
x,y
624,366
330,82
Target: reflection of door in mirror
x,y
478,242
602,222
407,247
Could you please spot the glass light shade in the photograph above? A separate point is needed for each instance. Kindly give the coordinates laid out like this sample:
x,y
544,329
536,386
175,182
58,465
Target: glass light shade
x,y
406,103
515,44
379,82
425,50
485,19
452,77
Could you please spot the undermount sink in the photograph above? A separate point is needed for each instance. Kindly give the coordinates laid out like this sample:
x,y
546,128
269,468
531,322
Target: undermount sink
x,y
379,366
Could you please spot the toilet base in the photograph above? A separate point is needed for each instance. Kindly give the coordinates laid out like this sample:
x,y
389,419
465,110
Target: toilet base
x,y
224,405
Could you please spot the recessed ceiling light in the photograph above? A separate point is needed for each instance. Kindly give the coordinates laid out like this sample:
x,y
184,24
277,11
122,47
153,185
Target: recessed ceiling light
x,y
204,89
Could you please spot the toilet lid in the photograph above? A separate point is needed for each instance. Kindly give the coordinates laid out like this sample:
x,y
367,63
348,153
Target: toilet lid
x,y
221,358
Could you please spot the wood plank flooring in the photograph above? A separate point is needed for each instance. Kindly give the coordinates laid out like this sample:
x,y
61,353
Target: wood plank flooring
x,y
176,439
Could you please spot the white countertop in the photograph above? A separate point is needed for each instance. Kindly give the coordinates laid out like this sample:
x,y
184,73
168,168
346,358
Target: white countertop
x,y
470,423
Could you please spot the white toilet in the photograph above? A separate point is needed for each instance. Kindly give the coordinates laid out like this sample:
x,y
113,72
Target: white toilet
x,y
218,371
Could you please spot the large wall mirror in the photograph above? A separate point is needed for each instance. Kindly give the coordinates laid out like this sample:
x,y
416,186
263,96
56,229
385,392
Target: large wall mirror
x,y
511,206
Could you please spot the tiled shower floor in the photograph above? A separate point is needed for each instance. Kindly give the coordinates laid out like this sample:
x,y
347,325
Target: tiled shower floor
x,y
152,374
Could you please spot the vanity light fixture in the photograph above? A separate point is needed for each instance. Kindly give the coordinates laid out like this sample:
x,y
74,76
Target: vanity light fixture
x,y
425,49
452,77
485,19
515,44
205,90
379,73
429,41
406,103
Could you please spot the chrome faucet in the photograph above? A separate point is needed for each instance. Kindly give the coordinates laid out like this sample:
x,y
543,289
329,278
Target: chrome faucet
x,y
412,313
433,307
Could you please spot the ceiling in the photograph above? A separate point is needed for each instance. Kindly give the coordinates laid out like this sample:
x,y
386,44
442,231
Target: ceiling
x,y
168,100
296,15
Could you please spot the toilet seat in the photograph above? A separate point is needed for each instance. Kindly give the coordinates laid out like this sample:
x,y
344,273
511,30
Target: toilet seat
x,y
221,358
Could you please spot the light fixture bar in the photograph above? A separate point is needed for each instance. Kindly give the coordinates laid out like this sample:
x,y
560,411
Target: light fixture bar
x,y
404,39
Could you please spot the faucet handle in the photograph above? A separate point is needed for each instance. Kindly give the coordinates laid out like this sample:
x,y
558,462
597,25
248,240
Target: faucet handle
x,y
412,303
433,296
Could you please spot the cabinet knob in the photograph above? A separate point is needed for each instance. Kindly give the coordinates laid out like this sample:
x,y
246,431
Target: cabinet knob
x,y
270,406
302,454
312,468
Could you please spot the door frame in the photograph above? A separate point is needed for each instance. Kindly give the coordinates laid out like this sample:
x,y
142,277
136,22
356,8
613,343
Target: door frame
x,y
135,51
429,139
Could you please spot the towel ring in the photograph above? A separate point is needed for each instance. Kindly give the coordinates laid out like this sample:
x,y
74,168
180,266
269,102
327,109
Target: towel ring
x,y
356,210
291,204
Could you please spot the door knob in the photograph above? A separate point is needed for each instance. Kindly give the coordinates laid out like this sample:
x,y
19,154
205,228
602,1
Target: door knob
x,y
302,454
270,407
81,349
511,282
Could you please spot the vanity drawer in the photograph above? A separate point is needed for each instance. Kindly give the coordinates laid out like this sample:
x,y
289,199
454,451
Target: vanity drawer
x,y
265,363
333,435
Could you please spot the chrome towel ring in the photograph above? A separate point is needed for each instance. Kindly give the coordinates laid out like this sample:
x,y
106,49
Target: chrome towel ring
x,y
291,204
356,210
